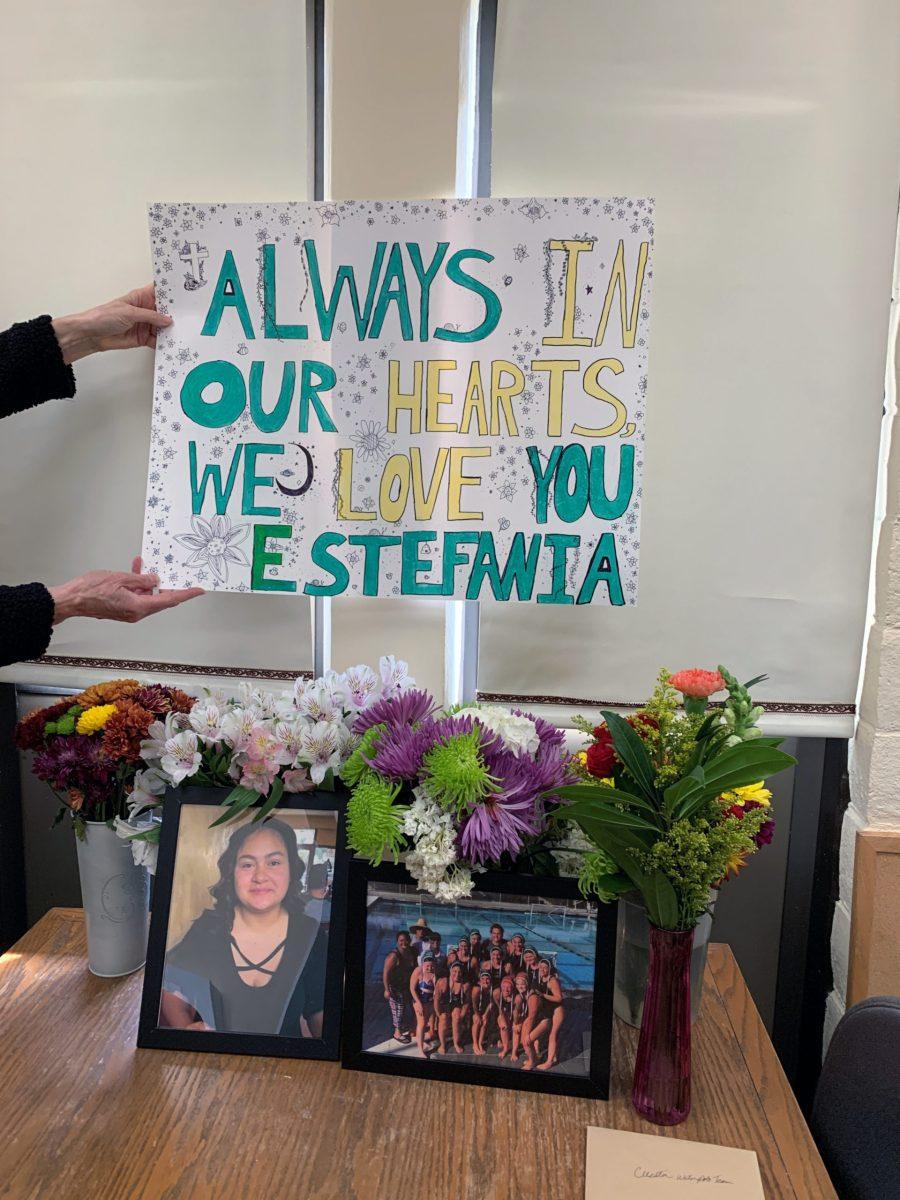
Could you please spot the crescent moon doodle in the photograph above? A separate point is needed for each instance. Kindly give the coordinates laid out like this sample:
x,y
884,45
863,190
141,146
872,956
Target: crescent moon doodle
x,y
310,471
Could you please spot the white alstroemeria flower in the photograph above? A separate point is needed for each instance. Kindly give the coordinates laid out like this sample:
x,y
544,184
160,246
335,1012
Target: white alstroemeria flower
x,y
319,702
154,745
395,676
518,734
237,726
290,734
285,707
362,687
149,785
206,721
182,756
144,853
263,701
321,750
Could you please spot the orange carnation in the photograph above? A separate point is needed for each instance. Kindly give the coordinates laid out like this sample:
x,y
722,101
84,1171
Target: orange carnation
x,y
697,684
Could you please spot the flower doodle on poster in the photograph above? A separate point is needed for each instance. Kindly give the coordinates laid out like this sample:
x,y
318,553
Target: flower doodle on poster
x,y
401,398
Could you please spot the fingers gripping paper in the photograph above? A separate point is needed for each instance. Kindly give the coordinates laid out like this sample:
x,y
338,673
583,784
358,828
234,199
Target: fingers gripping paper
x,y
433,398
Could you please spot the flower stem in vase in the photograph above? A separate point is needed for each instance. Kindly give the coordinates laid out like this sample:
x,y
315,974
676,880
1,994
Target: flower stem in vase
x,y
662,1073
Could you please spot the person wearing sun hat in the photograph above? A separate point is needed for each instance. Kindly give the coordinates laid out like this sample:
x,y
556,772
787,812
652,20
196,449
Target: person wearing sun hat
x,y
483,1010
420,934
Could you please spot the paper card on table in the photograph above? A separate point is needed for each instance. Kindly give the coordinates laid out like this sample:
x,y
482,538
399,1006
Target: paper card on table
x,y
640,1166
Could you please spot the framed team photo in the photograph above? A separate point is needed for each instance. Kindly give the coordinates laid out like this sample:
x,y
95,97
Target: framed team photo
x,y
511,987
247,931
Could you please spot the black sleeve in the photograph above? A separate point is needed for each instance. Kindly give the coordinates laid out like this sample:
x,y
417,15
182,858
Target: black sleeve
x,y
26,622
31,366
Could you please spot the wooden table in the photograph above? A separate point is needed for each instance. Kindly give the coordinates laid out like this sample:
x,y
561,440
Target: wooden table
x,y
85,1114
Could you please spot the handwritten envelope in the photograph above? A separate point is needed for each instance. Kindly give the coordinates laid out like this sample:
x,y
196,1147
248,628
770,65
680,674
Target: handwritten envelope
x,y
640,1166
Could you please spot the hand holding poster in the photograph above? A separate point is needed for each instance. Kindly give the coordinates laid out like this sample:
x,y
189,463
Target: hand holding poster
x,y
401,398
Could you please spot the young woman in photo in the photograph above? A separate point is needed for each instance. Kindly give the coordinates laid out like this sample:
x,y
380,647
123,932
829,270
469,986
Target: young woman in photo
x,y
255,959
399,965
476,947
530,957
520,1013
495,966
483,1010
452,1007
506,1006
422,985
469,966
544,1018
515,955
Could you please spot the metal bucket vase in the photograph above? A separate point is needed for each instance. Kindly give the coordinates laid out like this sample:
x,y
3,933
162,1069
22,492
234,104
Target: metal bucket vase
x,y
116,898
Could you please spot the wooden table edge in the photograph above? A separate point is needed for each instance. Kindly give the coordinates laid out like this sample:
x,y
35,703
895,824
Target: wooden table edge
x,y
776,1097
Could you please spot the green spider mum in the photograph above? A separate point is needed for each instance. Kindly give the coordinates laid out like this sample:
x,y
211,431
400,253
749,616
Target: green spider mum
x,y
357,765
373,820
455,775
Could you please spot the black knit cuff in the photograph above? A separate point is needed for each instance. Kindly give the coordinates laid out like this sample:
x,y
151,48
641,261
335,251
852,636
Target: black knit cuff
x,y
53,377
26,622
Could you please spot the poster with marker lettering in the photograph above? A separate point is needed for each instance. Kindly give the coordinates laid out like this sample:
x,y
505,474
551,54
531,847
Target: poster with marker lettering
x,y
401,398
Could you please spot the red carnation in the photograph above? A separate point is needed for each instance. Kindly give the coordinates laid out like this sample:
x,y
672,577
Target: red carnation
x,y
601,757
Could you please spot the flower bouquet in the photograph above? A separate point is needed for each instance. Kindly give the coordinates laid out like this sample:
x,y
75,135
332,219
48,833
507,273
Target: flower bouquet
x,y
452,792
673,801
87,748
258,744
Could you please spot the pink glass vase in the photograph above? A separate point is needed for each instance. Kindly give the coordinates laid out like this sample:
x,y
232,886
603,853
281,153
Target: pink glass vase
x,y
662,1072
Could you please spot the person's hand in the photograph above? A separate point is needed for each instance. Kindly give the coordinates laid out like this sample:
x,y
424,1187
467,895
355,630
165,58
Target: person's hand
x,y
387,994
115,596
121,324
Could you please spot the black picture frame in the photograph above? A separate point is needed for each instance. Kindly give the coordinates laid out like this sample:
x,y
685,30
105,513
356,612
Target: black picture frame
x,y
153,1036
595,1085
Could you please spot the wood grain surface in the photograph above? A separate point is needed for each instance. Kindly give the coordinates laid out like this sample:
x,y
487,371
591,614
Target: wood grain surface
x,y
85,1114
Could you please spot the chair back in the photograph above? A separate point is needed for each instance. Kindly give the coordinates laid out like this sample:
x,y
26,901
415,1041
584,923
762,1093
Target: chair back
x,y
856,1111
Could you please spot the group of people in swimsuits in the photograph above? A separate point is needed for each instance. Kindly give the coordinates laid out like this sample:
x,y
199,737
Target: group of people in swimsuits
x,y
500,994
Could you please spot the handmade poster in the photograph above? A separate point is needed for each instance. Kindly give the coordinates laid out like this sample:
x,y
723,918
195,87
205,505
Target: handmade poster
x,y
401,398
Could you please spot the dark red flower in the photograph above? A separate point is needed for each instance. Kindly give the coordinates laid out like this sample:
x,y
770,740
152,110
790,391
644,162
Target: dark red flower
x,y
601,757
766,833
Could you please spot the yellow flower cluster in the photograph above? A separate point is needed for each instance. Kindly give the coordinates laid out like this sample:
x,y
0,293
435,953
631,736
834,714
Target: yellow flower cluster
x,y
92,720
753,791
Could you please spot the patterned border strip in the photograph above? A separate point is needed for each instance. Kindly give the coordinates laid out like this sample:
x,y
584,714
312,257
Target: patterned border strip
x,y
772,706
128,664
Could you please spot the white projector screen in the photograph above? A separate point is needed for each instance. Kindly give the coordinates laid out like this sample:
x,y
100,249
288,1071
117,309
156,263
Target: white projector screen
x,y
767,135
104,106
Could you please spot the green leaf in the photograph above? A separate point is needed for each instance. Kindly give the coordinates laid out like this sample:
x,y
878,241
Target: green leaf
x,y
677,793
754,681
622,846
147,835
633,755
236,802
601,792
274,796
594,810
661,901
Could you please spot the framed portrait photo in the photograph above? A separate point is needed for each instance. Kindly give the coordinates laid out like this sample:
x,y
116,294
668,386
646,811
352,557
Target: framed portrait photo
x,y
246,945
511,987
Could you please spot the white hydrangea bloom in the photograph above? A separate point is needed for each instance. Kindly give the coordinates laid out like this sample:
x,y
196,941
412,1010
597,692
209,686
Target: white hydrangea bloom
x,y
517,733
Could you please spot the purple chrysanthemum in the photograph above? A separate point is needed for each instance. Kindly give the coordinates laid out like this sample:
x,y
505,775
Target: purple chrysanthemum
x,y
496,827
404,709
398,754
